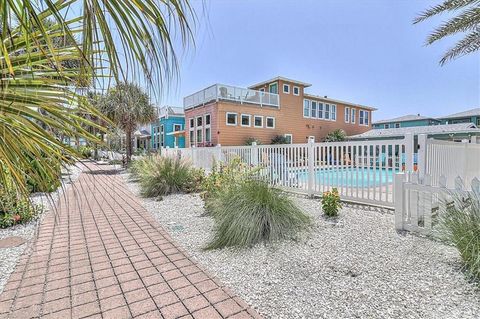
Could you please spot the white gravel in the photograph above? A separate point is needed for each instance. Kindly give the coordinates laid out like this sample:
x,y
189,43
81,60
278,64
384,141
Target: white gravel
x,y
10,256
356,267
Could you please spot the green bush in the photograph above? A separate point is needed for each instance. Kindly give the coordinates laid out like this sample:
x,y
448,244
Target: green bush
x,y
331,203
460,225
14,208
160,176
250,140
280,139
38,180
252,212
86,151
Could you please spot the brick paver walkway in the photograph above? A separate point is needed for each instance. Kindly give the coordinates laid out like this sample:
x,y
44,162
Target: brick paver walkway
x,y
105,256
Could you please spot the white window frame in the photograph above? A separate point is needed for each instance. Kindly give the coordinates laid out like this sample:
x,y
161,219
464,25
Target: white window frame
x,y
353,115
177,125
205,134
226,118
367,118
196,121
287,86
266,122
205,119
309,108
347,115
249,120
272,84
386,125
199,128
257,116
333,112
323,110
397,125
298,90
192,119
363,115
289,135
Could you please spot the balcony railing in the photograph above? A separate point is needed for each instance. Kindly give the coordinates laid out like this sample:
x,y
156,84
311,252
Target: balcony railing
x,y
230,93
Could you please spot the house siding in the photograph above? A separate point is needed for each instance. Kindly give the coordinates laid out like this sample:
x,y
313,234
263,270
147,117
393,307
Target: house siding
x,y
168,124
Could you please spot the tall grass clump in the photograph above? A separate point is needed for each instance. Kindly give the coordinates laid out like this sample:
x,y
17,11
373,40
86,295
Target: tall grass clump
x,y
460,225
159,175
252,212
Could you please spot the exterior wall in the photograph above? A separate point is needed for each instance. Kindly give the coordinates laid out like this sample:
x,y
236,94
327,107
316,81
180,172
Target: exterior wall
x,y
168,123
202,111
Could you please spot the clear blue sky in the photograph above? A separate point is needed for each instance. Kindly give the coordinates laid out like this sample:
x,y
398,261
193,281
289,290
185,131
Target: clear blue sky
x,y
366,52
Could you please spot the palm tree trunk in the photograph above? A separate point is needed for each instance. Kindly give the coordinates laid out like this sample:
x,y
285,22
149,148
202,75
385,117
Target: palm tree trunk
x,y
128,135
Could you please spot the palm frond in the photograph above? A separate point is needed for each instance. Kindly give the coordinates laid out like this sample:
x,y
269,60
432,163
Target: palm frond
x,y
469,44
448,5
467,20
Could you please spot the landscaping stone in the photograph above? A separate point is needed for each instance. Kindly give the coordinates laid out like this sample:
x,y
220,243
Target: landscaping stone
x,y
356,266
12,241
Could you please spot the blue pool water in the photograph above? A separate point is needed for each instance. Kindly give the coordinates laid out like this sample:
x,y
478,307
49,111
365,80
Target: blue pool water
x,y
352,177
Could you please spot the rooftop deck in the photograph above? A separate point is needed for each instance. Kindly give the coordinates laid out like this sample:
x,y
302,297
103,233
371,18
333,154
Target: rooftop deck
x,y
223,92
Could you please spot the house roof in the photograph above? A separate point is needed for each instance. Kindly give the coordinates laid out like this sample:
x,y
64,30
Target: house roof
x,y
410,117
429,130
468,113
279,78
171,111
327,99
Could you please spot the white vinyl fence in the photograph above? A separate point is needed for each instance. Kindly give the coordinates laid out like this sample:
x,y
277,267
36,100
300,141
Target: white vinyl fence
x,y
418,203
362,171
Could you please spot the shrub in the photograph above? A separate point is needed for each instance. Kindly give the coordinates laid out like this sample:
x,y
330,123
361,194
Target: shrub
x,y
279,139
337,135
460,225
86,151
252,212
160,176
14,208
222,176
250,140
49,183
331,203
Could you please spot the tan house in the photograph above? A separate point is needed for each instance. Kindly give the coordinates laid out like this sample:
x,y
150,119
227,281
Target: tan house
x,y
227,115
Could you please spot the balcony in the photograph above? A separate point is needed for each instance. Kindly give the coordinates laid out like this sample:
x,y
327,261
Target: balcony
x,y
223,92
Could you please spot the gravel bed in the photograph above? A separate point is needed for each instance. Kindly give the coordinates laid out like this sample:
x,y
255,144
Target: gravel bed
x,y
354,267
10,256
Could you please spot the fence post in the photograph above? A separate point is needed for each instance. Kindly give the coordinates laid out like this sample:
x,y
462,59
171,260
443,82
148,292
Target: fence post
x,y
218,153
311,166
398,196
422,156
409,152
194,154
254,155
473,139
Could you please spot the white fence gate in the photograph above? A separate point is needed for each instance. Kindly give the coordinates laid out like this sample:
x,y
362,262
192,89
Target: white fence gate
x,y
362,171
418,203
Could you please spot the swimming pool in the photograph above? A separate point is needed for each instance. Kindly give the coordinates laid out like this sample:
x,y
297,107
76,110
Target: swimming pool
x,y
351,177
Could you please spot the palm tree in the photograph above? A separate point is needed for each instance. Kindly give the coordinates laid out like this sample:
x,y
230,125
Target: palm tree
x,y
45,71
467,22
337,135
128,106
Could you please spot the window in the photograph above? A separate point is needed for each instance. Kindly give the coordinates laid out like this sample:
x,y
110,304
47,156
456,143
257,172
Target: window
x,y
313,109
478,122
320,110
207,119
270,122
286,88
296,90
352,118
199,121
306,108
245,120
333,112
327,111
289,138
199,136
177,127
258,121
161,136
347,115
273,88
192,123
208,135
231,118
192,137
386,126
262,90
364,120
397,125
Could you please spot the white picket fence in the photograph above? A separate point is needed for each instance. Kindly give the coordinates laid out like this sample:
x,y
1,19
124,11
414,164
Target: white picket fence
x,y
419,203
362,171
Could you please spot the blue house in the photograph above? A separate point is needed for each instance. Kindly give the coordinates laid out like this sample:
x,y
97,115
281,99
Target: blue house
x,y
169,128
406,121
469,116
